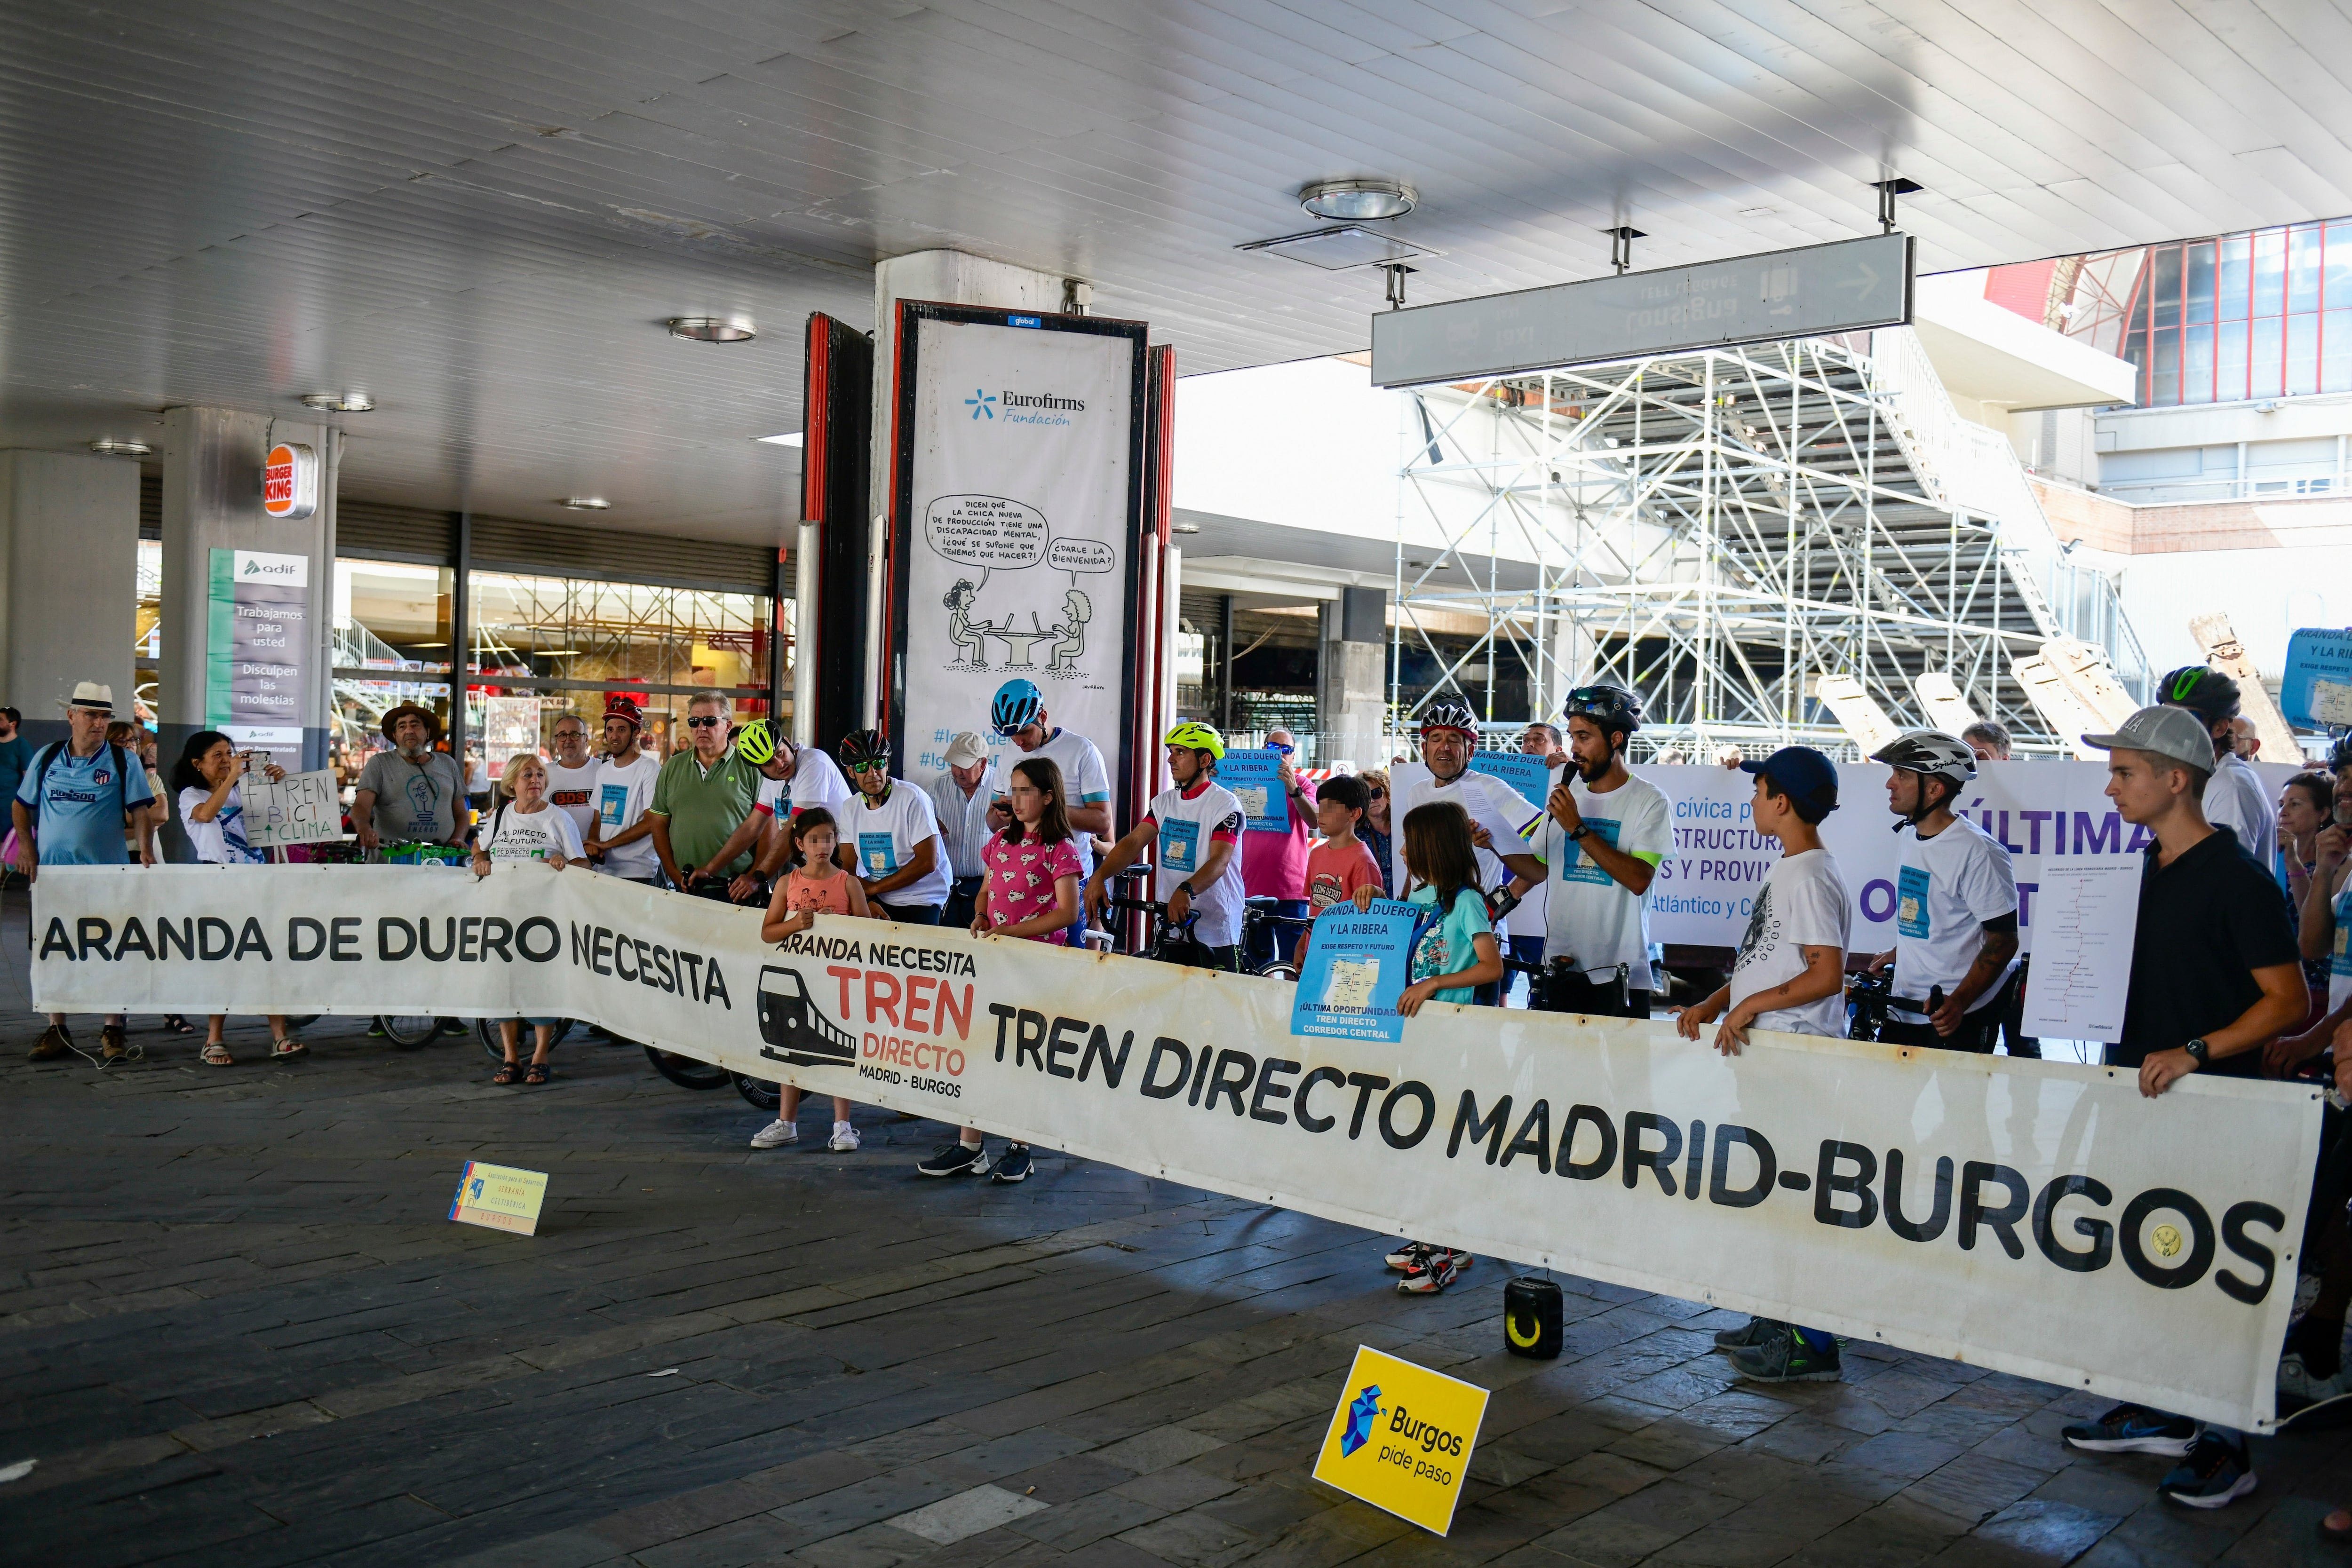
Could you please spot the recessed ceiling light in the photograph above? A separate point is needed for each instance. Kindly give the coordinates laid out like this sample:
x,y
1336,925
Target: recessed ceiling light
x,y
1184,528
789,438
1356,200
1758,211
713,329
338,403
1335,249
585,503
107,446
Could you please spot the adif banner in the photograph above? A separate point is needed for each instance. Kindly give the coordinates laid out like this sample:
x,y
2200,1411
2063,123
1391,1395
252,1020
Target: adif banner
x,y
1017,530
2038,1218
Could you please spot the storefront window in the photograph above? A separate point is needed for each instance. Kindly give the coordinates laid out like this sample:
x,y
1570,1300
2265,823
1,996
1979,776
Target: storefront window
x,y
569,644
392,617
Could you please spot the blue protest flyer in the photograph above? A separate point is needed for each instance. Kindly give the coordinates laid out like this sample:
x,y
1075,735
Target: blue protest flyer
x,y
1526,774
1356,969
1256,779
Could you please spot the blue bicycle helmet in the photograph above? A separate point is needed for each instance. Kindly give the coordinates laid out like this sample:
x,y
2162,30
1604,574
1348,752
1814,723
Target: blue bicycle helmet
x,y
1018,702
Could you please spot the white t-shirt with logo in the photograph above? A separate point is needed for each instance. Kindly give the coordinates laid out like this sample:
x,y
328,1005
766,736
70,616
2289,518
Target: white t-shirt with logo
x,y
623,793
1083,775
885,837
2235,799
514,834
1491,805
817,780
1946,889
1802,904
573,791
220,841
1188,825
1594,918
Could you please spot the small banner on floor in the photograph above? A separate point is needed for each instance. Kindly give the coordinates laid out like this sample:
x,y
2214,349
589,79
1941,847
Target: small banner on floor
x,y
1401,1439
2038,1217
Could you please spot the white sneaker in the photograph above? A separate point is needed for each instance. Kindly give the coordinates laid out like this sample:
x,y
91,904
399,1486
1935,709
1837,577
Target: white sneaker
x,y
775,1134
845,1138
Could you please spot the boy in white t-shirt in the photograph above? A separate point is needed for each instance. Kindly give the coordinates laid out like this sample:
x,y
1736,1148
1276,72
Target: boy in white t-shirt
x,y
890,835
1195,832
1789,976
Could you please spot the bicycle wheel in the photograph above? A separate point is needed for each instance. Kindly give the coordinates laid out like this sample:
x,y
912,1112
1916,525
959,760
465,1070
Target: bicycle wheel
x,y
685,1071
756,1093
409,1030
299,1021
1282,969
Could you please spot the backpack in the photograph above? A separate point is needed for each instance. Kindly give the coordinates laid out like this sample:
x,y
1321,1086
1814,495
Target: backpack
x,y
50,755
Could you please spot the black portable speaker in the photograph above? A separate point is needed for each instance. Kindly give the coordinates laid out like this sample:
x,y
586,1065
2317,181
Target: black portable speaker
x,y
1531,1310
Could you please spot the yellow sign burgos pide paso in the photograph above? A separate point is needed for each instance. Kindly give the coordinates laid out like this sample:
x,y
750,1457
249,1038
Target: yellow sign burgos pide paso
x,y
500,1196
1401,1437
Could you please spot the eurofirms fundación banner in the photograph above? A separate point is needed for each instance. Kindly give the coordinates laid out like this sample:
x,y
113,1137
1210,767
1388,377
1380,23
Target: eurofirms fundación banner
x,y
1705,890
2038,1217
1017,502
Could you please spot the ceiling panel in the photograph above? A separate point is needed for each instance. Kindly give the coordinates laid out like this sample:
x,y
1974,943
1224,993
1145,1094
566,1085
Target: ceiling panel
x,y
482,212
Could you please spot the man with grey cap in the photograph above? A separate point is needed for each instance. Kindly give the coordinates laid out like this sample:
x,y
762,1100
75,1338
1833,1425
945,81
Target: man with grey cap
x,y
964,798
2214,975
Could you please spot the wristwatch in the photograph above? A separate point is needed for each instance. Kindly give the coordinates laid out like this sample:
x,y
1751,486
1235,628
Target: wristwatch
x,y
2198,1052
1581,830
1185,888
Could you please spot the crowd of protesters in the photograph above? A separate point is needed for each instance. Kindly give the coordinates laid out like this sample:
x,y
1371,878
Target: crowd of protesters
x,y
2239,964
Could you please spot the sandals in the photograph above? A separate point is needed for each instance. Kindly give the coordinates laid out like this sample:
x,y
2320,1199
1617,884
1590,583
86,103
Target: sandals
x,y
174,1024
536,1074
508,1072
216,1055
288,1048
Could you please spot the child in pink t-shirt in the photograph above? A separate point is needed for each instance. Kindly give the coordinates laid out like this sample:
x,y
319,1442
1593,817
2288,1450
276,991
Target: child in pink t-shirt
x,y
1032,894
1339,864
813,886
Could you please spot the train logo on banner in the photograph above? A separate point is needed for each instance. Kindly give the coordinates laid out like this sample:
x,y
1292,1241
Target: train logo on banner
x,y
794,1029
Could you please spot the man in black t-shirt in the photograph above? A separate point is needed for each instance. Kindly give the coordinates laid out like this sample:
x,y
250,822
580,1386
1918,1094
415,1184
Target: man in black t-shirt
x,y
2215,974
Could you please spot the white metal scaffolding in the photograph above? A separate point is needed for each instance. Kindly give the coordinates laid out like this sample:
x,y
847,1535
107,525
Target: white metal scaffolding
x,y
1718,530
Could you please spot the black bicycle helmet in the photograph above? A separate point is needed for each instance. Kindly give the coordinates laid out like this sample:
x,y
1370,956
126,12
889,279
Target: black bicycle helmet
x,y
1612,707
2202,689
1449,712
863,749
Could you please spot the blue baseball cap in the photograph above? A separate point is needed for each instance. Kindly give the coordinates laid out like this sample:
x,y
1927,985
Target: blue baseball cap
x,y
1802,773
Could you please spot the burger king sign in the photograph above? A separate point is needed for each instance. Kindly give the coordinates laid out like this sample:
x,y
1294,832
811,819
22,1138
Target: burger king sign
x,y
289,480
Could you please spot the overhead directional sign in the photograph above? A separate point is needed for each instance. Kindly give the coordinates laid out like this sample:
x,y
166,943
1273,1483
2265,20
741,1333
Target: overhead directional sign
x,y
1847,286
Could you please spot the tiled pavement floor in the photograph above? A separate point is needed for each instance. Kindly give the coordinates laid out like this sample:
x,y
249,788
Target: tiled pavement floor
x,y
236,1328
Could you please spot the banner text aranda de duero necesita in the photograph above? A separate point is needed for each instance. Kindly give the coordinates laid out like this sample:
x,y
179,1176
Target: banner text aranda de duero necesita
x,y
2035,1217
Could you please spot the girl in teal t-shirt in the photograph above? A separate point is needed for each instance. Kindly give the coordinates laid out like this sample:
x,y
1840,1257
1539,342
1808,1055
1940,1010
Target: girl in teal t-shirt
x,y
1454,953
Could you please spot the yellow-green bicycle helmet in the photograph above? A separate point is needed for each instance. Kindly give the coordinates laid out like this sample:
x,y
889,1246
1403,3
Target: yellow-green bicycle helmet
x,y
755,742
1197,738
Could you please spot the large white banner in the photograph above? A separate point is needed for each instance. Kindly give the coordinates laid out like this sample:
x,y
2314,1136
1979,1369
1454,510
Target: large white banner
x,y
1017,531
1705,890
2038,1217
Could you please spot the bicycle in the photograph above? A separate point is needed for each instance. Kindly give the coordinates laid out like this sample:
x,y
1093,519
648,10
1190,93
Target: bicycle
x,y
1870,996
1174,942
412,1031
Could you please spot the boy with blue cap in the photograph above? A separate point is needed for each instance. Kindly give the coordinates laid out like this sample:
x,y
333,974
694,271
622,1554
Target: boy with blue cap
x,y
1789,976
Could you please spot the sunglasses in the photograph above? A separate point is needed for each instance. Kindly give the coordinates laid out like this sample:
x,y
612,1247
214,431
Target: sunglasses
x,y
704,722
1379,794
869,768
1277,745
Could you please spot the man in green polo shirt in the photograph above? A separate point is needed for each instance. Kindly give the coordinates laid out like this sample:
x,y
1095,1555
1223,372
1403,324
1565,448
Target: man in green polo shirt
x,y
702,795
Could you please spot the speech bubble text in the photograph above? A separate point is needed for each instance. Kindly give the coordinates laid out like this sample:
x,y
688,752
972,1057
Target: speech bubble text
x,y
986,531
1080,555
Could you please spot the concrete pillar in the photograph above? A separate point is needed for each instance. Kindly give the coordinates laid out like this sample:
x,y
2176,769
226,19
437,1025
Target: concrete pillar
x,y
950,277
69,582
1350,679
212,500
